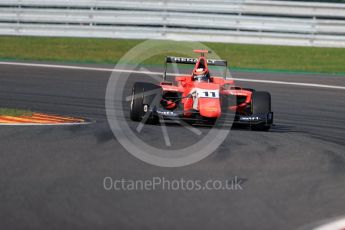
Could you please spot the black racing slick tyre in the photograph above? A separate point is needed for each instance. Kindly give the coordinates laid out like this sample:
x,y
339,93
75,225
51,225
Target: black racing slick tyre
x,y
261,104
143,96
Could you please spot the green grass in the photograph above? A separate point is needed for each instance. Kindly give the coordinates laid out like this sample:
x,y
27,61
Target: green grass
x,y
14,112
261,57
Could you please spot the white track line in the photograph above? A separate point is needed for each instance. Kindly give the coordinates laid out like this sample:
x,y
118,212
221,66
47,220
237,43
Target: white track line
x,y
158,73
291,83
77,68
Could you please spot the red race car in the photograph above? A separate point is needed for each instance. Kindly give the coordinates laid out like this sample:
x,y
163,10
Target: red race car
x,y
200,98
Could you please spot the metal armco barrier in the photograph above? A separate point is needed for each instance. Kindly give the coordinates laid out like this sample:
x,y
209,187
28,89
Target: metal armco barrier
x,y
228,21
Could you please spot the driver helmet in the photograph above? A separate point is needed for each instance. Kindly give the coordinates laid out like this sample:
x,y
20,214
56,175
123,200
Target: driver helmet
x,y
200,74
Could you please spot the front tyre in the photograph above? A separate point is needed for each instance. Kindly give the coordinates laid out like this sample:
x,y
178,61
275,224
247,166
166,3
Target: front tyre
x,y
142,98
136,108
261,104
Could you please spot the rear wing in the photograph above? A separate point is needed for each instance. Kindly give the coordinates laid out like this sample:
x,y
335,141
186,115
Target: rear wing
x,y
184,60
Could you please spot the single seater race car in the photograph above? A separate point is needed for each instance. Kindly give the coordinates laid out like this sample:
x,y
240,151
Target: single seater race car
x,y
200,98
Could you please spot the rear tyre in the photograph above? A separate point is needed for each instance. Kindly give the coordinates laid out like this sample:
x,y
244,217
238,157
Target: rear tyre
x,y
143,97
261,104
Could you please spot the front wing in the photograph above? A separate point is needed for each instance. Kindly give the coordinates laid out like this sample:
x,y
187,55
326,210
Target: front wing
x,y
228,118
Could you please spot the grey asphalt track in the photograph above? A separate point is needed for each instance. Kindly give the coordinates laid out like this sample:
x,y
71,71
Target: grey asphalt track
x,y
52,177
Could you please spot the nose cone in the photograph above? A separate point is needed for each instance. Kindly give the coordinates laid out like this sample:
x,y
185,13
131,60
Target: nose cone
x,y
209,107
